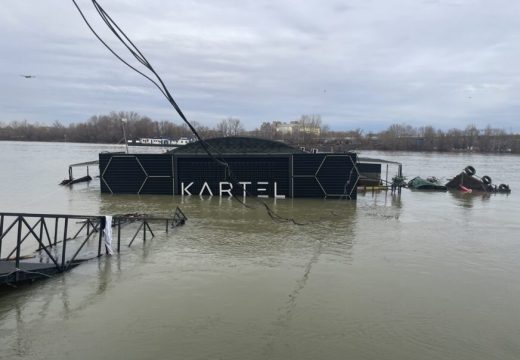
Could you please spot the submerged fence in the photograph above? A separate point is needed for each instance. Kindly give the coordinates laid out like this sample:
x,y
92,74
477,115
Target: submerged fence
x,y
56,251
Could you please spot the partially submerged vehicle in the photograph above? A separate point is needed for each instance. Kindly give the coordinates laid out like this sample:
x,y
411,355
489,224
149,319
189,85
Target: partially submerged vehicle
x,y
467,181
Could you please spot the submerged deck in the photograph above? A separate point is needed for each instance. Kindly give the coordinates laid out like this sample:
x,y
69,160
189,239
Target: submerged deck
x,y
11,274
40,245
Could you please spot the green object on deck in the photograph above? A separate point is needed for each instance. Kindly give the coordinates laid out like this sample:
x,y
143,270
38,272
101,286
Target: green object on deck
x,y
419,183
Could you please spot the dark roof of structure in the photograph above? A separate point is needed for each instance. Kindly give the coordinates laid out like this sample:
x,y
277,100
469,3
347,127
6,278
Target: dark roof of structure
x,y
238,145
377,161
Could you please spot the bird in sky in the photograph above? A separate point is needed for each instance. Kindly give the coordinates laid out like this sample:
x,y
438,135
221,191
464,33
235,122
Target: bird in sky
x,y
28,76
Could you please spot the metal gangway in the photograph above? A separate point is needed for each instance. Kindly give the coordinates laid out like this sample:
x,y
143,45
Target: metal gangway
x,y
55,251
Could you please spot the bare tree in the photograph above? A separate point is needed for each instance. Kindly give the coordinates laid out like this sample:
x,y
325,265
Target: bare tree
x,y
307,130
471,134
108,129
230,127
267,131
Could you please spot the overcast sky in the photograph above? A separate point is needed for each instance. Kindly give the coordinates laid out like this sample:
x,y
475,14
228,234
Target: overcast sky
x,y
358,63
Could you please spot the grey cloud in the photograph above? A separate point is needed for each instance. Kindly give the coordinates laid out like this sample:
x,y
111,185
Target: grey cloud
x,y
358,63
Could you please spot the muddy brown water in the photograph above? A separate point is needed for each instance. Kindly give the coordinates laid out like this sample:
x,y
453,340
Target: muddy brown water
x,y
418,276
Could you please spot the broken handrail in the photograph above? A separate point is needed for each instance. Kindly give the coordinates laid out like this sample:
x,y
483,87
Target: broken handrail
x,y
71,180
20,224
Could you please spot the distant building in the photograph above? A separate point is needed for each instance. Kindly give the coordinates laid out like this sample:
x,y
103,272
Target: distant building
x,y
296,127
284,128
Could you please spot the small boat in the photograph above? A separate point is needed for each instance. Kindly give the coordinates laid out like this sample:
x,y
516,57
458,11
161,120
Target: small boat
x,y
418,183
161,142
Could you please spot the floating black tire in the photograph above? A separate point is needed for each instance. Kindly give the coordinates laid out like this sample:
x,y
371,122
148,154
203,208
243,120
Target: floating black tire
x,y
486,179
470,170
503,187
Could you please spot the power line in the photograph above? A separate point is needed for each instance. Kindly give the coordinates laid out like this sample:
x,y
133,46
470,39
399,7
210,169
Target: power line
x,y
159,83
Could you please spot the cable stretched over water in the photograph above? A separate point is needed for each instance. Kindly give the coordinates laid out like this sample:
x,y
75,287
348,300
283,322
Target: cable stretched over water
x,y
157,81
125,40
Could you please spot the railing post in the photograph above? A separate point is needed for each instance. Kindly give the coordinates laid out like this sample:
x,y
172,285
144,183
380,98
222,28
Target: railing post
x,y
41,234
1,233
55,231
386,177
64,244
144,230
18,243
118,235
100,239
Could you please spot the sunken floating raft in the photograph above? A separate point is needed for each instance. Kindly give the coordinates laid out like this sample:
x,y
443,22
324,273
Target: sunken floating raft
x,y
56,253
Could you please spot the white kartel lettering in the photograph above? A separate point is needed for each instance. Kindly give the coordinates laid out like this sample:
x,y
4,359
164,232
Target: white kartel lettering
x,y
226,188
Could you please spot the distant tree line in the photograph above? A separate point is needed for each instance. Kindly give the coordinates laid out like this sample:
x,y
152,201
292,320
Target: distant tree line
x,y
308,131
427,138
97,129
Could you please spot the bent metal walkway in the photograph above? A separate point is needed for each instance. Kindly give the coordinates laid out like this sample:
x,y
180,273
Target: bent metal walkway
x,y
50,250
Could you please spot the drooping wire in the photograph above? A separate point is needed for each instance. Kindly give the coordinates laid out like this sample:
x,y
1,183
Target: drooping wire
x,y
159,83
114,53
136,53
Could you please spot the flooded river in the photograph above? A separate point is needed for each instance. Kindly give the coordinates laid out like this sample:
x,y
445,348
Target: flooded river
x,y
416,276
